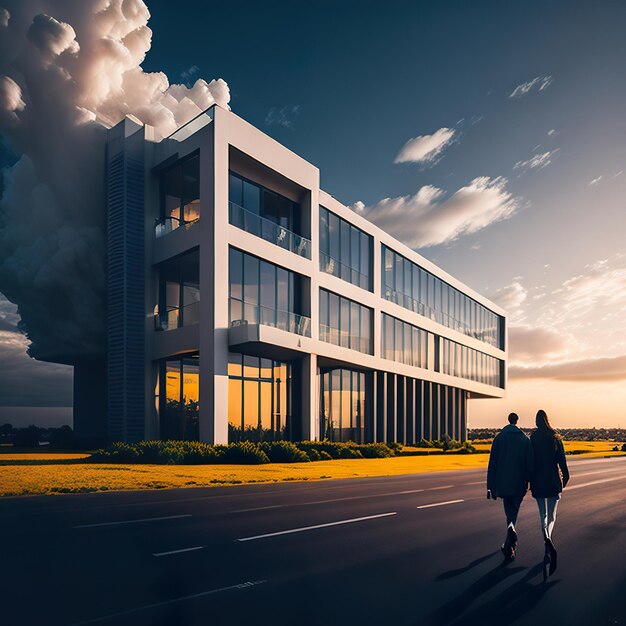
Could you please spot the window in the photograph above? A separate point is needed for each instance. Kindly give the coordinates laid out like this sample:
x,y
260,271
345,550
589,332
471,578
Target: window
x,y
342,406
179,292
179,398
180,192
345,323
345,250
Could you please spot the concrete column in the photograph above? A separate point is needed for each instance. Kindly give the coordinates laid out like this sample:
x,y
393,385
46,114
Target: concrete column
x,y
310,400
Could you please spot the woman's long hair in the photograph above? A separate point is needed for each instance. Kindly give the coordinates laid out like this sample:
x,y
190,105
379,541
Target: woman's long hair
x,y
543,424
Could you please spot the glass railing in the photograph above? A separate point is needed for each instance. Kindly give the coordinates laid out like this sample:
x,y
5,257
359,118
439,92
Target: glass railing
x,y
167,225
193,125
245,313
345,340
268,230
177,317
437,316
332,266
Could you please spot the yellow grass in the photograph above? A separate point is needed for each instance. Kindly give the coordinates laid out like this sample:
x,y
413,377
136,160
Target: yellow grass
x,y
79,477
43,456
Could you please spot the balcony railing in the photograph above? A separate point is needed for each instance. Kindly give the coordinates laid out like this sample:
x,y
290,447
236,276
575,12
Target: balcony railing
x,y
167,225
245,313
268,230
437,316
332,266
345,340
177,317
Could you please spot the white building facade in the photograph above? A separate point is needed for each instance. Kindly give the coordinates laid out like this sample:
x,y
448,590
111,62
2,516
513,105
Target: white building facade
x,y
246,303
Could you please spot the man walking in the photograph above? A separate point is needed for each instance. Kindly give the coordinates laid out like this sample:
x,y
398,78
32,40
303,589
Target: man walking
x,y
510,466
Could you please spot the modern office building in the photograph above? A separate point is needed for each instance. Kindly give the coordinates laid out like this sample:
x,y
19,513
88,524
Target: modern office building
x,y
246,303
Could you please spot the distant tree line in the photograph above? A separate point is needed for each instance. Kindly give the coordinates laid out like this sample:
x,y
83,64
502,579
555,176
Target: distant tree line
x,y
34,437
572,434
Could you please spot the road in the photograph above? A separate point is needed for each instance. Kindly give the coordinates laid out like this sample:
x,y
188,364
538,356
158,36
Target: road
x,y
408,550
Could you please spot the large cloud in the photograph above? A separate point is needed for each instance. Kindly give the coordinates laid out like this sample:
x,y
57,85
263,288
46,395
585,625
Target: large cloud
x,y
535,344
425,148
68,70
427,218
606,369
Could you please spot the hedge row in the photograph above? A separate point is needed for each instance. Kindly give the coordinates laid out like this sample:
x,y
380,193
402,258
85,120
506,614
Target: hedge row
x,y
245,452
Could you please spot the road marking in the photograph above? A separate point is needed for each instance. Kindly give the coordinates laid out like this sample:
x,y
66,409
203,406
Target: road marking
x,y
595,482
376,495
259,508
305,528
178,551
104,618
428,506
436,488
132,521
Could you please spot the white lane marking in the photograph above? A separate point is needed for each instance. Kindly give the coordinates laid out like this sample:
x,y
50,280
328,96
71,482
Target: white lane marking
x,y
436,488
595,482
259,508
305,528
132,521
178,551
376,495
104,618
428,506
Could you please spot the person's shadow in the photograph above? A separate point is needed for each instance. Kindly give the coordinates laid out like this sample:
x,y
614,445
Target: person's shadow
x,y
508,606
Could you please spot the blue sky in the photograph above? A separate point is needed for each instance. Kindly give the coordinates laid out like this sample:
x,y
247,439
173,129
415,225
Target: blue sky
x,y
530,97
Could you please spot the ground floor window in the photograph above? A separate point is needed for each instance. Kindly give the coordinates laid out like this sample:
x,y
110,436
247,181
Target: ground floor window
x,y
178,398
259,399
342,405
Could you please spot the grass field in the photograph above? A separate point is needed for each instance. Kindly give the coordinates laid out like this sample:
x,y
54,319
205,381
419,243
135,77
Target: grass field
x,y
54,473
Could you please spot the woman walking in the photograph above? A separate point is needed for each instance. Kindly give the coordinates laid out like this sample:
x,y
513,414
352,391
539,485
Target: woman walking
x,y
547,483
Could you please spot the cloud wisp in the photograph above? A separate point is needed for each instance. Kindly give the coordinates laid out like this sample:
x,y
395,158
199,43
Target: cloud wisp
x,y
601,370
425,149
284,116
539,83
537,161
428,219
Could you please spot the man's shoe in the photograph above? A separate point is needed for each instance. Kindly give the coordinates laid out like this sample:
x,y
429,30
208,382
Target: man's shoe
x,y
511,537
552,551
508,551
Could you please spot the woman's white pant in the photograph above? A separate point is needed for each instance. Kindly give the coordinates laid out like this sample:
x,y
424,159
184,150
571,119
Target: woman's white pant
x,y
547,514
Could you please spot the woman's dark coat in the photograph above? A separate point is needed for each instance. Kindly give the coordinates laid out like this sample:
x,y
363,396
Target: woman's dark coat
x,y
510,463
549,456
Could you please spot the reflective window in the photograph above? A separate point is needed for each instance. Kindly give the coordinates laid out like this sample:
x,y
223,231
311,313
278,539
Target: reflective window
x,y
405,343
342,405
464,362
263,293
345,323
259,399
345,250
179,292
179,397
414,288
180,192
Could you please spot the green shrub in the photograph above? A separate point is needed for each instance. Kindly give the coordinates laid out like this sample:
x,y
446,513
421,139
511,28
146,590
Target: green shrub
x,y
245,453
283,452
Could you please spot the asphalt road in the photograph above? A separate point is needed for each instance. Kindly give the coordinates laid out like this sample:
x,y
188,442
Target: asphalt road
x,y
407,550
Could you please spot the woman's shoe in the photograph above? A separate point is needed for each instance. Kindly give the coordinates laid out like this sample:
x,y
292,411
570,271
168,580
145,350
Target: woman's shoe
x,y
546,563
552,550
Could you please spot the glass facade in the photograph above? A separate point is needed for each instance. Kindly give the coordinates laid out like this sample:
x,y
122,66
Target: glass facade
x,y
406,343
459,360
259,399
416,289
263,293
180,195
345,250
342,405
179,292
266,214
178,398
345,323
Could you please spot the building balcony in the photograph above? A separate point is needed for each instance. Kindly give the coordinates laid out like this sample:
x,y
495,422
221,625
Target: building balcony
x,y
166,225
268,230
345,340
332,266
177,317
242,313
